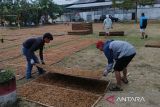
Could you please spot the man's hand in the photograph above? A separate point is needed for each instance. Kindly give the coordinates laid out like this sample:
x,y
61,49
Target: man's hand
x,y
105,73
32,62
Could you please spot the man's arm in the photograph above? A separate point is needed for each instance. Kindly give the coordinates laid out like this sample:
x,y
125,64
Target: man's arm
x,y
109,55
110,61
41,55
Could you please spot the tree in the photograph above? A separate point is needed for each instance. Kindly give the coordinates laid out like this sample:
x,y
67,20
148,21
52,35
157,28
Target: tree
x,y
48,8
132,4
28,11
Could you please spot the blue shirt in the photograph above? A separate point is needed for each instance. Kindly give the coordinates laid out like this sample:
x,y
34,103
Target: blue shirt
x,y
142,18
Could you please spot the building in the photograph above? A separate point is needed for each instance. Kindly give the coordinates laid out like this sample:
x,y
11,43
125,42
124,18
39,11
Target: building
x,y
92,10
152,12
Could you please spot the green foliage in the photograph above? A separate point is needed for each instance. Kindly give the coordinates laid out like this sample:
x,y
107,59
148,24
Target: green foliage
x,y
145,2
130,4
6,75
27,12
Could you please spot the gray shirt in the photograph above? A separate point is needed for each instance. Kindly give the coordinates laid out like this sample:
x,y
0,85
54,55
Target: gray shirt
x,y
117,49
121,49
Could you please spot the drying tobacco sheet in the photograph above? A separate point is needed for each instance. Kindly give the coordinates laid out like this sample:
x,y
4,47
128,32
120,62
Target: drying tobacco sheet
x,y
74,83
72,71
155,44
57,96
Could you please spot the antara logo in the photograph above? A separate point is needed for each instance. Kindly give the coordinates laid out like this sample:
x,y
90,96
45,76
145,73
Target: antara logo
x,y
130,99
112,99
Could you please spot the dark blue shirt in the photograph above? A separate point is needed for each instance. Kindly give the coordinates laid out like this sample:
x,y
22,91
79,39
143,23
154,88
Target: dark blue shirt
x,y
108,52
34,44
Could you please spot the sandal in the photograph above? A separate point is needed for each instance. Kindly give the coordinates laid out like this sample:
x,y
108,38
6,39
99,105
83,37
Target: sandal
x,y
115,88
124,81
146,36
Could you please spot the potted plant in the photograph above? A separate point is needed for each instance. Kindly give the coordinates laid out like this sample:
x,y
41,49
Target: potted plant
x,y
7,87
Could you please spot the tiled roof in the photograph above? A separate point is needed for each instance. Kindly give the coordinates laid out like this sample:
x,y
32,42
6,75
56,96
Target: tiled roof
x,y
87,5
89,1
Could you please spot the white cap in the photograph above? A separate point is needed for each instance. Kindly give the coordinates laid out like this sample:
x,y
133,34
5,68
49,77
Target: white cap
x,y
107,16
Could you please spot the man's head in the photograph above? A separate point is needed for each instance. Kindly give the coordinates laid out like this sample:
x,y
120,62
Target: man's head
x,y
99,45
107,16
142,14
47,37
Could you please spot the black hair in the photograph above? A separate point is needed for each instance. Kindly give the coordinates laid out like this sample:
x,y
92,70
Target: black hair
x,y
48,36
142,14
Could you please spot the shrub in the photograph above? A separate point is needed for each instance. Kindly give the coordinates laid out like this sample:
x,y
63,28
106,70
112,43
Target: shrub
x,y
6,75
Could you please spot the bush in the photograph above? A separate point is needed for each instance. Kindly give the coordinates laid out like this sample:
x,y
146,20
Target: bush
x,y
6,75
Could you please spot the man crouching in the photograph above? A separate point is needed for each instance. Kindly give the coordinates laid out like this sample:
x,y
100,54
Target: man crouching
x,y
30,46
121,53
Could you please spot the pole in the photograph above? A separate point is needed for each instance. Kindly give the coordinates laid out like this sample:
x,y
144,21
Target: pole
x,y
136,13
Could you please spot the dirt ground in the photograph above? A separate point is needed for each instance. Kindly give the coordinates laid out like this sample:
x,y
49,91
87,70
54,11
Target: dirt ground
x,y
143,75
144,70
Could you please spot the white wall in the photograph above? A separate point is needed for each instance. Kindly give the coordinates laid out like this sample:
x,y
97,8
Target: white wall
x,y
85,14
151,13
62,18
125,16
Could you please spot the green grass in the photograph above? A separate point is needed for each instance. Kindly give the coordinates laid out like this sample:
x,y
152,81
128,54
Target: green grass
x,y
131,39
135,40
91,58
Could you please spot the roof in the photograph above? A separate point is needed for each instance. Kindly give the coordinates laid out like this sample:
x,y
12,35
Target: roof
x,y
89,1
63,2
158,1
84,1
90,5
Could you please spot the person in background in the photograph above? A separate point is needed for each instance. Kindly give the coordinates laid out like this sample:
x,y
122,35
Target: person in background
x,y
119,54
143,25
107,25
28,49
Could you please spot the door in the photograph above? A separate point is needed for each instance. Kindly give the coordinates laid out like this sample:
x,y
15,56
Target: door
x,y
133,16
89,18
